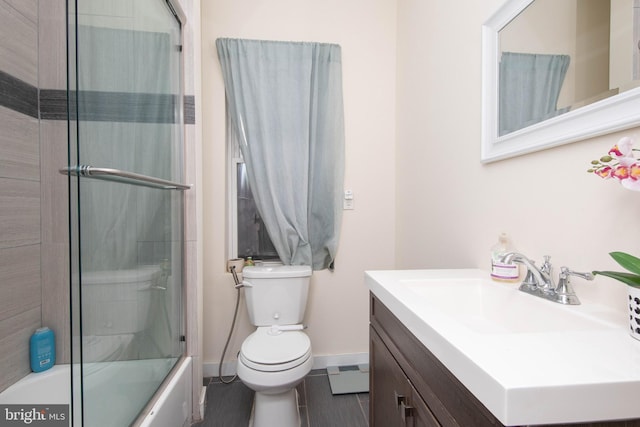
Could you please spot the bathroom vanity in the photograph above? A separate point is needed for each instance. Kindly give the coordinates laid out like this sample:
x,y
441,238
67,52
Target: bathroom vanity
x,y
452,348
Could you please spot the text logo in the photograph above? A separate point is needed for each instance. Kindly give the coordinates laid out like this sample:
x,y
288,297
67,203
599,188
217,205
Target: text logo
x,y
34,415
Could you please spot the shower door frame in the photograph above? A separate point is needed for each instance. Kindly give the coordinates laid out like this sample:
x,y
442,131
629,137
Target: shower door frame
x,y
74,209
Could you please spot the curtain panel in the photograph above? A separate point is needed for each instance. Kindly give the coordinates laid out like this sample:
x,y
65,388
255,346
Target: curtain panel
x,y
530,85
284,101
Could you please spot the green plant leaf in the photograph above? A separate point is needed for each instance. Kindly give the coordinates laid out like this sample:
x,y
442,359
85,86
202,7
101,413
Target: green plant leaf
x,y
626,278
626,261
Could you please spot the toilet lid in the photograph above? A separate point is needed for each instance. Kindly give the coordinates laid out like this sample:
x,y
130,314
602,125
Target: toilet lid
x,y
265,348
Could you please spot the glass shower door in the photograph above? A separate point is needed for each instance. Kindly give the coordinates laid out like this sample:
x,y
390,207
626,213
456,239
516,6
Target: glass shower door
x,y
125,107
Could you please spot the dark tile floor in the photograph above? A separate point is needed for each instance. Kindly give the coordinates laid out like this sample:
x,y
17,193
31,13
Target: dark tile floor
x,y
229,405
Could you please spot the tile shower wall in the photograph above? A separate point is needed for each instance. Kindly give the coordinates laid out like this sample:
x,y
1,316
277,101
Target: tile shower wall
x,y
33,206
20,286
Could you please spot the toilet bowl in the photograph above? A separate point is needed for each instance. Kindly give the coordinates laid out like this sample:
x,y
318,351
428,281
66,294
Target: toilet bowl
x,y
272,366
277,356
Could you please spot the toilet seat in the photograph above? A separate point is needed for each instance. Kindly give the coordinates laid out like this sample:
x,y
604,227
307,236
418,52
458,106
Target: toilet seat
x,y
268,352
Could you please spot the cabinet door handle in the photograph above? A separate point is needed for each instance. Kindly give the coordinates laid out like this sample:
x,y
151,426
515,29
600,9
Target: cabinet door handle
x,y
406,411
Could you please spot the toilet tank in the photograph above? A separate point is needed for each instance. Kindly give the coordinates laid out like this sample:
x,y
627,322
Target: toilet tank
x,y
117,302
276,294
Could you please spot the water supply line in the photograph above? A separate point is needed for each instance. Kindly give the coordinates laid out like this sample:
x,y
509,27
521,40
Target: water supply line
x,y
238,285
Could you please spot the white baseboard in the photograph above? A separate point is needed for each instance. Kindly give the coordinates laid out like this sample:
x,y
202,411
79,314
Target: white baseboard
x,y
210,369
321,362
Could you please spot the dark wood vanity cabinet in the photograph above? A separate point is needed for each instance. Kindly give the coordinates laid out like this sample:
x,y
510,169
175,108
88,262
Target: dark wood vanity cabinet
x,y
409,386
397,403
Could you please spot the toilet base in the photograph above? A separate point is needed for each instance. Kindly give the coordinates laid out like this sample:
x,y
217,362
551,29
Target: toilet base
x,y
275,410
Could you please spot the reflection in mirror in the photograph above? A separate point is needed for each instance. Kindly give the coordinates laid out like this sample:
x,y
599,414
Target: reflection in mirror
x,y
530,84
550,65
572,60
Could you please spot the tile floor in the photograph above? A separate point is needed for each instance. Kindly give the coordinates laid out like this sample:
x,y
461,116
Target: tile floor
x,y
229,405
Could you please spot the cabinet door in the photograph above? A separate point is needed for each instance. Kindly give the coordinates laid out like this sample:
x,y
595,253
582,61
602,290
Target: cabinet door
x,y
389,386
393,401
420,413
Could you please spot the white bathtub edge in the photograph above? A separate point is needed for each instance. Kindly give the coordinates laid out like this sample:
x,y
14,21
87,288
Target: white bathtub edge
x,y
48,387
173,407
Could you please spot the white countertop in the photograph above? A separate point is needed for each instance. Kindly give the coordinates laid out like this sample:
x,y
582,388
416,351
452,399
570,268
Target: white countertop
x,y
528,360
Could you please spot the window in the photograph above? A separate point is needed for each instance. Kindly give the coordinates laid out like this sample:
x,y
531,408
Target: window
x,y
247,235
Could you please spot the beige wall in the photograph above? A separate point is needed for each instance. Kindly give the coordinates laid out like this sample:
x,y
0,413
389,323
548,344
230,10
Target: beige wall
x,y
337,313
450,207
423,199
621,69
592,48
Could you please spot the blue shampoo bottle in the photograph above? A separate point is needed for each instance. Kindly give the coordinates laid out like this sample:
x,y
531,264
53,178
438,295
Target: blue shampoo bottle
x,y
42,346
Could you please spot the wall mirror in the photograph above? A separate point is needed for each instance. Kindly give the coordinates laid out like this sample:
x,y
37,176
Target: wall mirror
x,y
556,72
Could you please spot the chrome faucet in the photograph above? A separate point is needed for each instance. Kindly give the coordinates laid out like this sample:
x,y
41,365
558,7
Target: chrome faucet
x,y
539,281
537,278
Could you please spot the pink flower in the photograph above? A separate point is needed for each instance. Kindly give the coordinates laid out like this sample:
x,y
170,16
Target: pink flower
x,y
604,172
621,164
631,184
620,172
623,151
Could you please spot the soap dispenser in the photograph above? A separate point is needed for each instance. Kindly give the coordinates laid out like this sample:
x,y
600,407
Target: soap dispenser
x,y
501,271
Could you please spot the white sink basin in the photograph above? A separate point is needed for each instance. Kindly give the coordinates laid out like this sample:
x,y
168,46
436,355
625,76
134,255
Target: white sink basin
x,y
490,308
528,360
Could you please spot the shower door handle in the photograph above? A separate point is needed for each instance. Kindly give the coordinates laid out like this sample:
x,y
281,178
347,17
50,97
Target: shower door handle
x,y
117,175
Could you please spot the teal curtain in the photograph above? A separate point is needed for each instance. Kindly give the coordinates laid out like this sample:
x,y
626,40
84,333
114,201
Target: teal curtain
x,y
529,88
284,101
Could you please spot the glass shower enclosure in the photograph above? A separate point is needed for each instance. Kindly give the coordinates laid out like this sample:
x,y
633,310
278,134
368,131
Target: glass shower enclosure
x,y
126,205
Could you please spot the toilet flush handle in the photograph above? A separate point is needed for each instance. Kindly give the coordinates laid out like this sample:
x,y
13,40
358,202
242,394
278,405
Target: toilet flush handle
x,y
297,327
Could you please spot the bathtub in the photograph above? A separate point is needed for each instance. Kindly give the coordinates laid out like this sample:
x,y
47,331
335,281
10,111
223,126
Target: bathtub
x,y
172,408
52,386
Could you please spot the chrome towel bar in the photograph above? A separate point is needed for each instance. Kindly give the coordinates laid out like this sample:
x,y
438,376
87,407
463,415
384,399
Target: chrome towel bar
x,y
117,175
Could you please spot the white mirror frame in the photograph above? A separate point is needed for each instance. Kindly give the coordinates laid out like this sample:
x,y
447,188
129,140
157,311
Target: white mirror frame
x,y
609,115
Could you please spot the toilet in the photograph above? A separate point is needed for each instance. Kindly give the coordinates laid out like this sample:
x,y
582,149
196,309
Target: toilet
x,y
116,305
277,355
